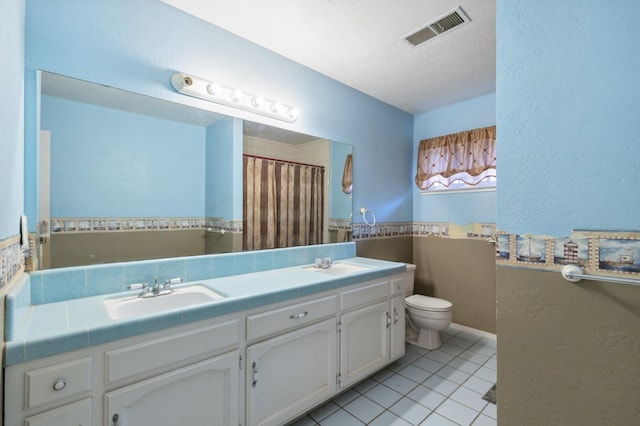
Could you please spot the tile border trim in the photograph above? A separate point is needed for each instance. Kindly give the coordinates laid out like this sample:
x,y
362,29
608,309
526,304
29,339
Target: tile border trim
x,y
63,225
12,261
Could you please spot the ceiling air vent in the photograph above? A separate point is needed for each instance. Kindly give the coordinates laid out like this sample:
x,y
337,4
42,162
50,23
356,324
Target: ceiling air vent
x,y
452,20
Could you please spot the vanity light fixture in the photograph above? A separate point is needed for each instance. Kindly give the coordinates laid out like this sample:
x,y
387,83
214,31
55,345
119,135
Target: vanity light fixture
x,y
218,93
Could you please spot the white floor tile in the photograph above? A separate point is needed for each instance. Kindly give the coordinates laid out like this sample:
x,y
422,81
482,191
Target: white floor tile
x,y
341,418
469,398
479,385
384,375
432,388
410,411
464,365
440,385
415,349
324,411
492,364
304,421
436,419
440,356
451,349
491,410
474,357
485,373
364,409
414,373
366,385
389,419
460,342
480,348
383,396
457,412
483,420
428,364
427,397
450,373
400,383
346,397
489,342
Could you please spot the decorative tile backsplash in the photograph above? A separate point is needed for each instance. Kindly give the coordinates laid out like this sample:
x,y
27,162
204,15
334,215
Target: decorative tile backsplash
x,y
11,260
603,251
437,229
615,252
73,225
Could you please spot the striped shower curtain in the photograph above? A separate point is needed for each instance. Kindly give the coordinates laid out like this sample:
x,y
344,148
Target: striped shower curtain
x,y
283,203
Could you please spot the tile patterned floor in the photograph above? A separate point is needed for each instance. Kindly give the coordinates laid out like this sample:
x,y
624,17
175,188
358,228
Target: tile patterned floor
x,y
431,388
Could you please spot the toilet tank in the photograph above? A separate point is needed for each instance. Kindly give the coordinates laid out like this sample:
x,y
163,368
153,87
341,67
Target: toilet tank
x,y
408,279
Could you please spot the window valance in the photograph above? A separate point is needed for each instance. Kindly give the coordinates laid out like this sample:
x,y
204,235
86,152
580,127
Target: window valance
x,y
468,156
347,175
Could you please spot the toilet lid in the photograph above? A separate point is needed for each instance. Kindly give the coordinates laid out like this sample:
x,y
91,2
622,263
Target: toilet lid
x,y
431,303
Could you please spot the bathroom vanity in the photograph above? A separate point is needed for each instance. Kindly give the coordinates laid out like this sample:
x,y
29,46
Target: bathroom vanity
x,y
263,357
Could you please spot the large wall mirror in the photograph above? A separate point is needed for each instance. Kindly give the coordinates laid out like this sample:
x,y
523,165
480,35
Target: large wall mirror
x,y
124,177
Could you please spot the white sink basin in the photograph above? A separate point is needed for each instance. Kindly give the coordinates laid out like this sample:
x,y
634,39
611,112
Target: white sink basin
x,y
134,306
338,269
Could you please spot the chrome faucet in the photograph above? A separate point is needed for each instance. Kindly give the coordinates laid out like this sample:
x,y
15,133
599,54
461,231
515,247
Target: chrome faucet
x,y
326,263
158,289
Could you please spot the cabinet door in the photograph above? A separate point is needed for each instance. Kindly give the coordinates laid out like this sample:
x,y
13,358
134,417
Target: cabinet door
x,y
78,413
364,342
288,374
205,393
397,327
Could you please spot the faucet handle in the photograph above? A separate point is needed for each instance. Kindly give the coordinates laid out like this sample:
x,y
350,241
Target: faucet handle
x,y
137,286
168,283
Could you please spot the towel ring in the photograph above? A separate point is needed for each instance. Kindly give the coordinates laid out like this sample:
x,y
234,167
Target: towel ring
x,y
363,212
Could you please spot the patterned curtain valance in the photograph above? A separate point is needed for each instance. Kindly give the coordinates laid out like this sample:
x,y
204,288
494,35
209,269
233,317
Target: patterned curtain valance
x,y
347,175
468,156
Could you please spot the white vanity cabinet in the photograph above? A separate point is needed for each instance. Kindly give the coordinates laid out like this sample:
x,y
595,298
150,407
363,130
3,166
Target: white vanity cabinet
x,y
371,328
263,366
204,393
185,375
290,372
77,414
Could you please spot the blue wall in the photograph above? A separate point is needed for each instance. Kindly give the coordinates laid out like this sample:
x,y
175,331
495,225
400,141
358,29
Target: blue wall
x,y
458,208
111,163
567,111
222,163
138,45
11,116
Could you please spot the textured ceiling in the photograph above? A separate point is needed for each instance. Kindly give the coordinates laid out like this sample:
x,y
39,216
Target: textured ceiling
x,y
361,43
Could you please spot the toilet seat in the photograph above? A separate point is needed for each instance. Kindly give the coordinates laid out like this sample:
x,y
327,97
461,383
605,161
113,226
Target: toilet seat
x,y
434,304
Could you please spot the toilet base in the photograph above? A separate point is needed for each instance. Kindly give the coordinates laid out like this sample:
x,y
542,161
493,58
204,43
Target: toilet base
x,y
427,339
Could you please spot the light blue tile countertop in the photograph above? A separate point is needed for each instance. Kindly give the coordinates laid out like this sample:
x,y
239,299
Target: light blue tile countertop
x,y
36,330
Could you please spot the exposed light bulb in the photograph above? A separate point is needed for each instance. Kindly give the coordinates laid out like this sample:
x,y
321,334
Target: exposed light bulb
x,y
236,95
235,98
214,88
293,113
257,102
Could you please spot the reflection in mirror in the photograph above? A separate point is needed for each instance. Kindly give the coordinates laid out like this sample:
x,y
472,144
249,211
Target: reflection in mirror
x,y
128,177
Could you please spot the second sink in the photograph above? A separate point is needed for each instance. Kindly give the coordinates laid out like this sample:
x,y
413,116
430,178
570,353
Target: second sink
x,y
338,268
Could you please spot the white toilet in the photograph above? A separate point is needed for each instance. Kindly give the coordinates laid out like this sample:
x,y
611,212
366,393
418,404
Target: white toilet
x,y
426,316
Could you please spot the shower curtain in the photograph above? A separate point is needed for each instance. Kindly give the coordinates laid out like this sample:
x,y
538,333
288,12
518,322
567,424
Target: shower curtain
x,y
283,203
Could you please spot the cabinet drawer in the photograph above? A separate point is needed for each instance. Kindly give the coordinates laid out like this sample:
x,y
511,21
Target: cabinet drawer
x,y
397,286
78,413
57,381
289,317
167,351
364,295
